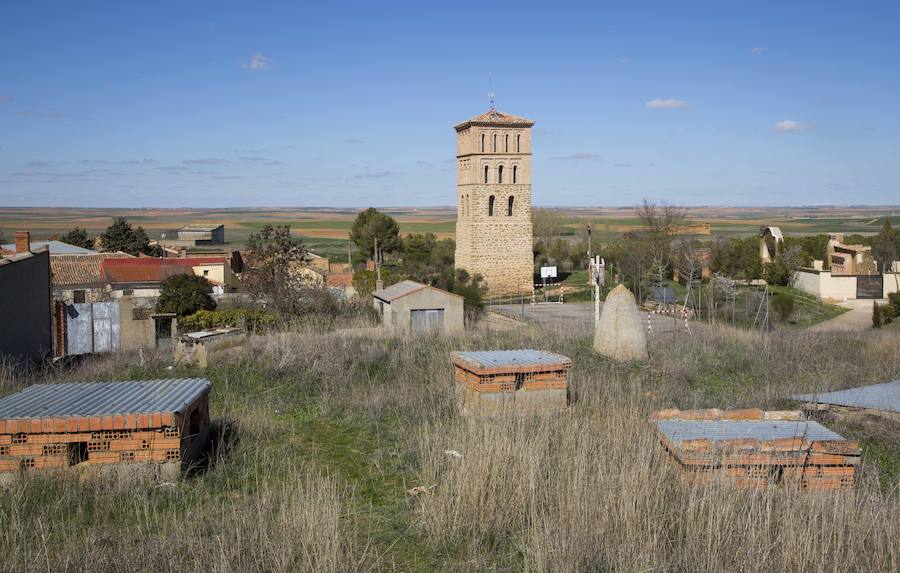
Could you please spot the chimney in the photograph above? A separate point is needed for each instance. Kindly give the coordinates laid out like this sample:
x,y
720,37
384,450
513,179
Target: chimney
x,y
23,242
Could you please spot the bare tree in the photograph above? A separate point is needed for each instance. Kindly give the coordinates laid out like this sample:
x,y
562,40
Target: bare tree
x,y
661,223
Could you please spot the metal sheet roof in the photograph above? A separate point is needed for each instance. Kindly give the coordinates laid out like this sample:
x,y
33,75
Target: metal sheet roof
x,y
55,248
398,290
876,397
716,430
501,358
86,399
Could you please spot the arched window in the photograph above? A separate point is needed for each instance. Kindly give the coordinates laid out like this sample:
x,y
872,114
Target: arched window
x,y
495,143
515,170
499,174
482,143
506,144
491,206
485,173
509,206
518,144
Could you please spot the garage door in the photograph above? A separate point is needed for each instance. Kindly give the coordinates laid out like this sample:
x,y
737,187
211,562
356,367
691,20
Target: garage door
x,y
427,320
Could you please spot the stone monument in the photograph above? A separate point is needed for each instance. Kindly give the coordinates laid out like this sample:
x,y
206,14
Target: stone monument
x,y
621,333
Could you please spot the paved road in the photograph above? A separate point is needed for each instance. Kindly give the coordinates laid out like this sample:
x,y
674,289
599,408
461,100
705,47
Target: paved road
x,y
859,318
575,316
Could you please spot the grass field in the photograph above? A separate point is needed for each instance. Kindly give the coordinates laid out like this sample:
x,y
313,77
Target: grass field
x,y
321,434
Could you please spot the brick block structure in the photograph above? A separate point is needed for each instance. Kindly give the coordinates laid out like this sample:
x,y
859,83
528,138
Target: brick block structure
x,y
492,381
753,449
493,188
59,425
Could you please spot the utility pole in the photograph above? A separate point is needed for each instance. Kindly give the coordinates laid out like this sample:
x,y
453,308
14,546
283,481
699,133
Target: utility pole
x,y
378,284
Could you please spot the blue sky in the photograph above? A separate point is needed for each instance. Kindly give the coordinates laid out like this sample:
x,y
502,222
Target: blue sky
x,y
128,104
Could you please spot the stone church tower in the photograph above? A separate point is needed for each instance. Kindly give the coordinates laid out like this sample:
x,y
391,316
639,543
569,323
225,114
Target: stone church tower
x,y
493,188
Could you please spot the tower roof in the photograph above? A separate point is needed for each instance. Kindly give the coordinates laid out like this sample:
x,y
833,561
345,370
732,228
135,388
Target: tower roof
x,y
494,117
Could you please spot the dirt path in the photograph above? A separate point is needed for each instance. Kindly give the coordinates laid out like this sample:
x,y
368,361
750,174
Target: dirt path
x,y
857,319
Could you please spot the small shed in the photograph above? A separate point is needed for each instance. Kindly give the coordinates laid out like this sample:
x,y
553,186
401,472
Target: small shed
x,y
493,380
418,307
162,422
203,347
753,449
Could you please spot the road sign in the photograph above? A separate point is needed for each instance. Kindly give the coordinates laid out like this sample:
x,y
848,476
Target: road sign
x,y
548,272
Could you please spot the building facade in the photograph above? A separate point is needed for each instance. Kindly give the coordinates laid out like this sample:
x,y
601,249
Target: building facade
x,y
26,312
493,183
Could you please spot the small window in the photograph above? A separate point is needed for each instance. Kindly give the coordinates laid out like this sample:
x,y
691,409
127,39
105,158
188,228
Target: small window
x,y
495,143
518,143
205,273
485,173
500,174
515,169
491,206
79,297
482,143
506,144
509,206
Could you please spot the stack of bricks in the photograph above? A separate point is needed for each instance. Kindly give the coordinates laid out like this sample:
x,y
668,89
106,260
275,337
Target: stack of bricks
x,y
753,449
522,378
40,450
58,425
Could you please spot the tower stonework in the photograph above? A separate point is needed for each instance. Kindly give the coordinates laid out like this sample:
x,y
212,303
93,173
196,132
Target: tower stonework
x,y
493,188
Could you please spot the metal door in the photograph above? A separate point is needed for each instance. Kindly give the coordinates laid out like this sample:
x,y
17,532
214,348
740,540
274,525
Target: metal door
x,y
427,320
92,327
869,286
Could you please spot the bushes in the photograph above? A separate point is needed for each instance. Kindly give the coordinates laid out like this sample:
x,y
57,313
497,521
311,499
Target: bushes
x,y
783,306
253,319
883,314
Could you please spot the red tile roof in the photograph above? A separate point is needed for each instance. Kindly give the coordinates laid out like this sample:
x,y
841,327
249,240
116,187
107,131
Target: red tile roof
x,y
339,280
494,117
81,270
152,270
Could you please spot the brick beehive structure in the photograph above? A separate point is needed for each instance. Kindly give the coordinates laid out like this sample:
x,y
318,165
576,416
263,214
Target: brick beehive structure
x,y
58,425
493,192
753,449
522,379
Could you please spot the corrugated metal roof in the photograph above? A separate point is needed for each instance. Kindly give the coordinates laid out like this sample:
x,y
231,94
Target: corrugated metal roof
x,y
716,430
80,399
876,397
200,227
398,290
500,358
55,247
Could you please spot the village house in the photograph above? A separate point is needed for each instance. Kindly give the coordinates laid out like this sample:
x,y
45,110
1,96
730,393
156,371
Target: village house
x,y
26,315
201,235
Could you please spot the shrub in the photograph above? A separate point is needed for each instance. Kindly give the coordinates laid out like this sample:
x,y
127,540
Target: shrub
x,y
877,316
253,319
783,306
184,295
894,298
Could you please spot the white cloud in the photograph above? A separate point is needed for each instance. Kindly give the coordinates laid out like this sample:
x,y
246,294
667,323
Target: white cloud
x,y
789,125
579,156
257,62
758,50
659,103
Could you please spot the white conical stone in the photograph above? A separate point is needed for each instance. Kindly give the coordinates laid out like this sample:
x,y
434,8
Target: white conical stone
x,y
621,333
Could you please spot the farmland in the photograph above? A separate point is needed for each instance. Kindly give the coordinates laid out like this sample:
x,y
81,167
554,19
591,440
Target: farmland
x,y
334,224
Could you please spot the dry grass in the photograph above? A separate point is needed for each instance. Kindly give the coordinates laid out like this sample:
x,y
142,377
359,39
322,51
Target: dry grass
x,y
331,429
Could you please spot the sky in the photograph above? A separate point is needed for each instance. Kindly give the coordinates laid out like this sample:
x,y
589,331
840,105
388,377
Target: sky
x,y
352,104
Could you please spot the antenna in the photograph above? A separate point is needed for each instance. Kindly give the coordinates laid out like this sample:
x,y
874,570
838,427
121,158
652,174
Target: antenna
x,y
491,90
